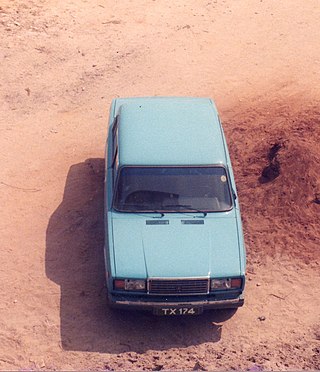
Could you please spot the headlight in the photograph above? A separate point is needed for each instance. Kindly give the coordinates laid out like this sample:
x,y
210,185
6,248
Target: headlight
x,y
226,283
130,284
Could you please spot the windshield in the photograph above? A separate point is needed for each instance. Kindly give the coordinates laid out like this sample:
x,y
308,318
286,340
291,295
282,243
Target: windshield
x,y
172,189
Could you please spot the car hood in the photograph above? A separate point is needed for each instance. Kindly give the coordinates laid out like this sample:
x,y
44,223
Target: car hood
x,y
176,247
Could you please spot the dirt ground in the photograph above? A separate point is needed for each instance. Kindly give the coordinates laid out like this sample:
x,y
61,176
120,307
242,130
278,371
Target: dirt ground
x,y
61,64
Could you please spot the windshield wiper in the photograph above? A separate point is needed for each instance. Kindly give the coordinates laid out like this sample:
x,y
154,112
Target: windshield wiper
x,y
155,211
138,211
186,206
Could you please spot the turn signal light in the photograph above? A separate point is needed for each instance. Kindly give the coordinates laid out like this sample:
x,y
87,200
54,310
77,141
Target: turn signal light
x,y
236,283
119,284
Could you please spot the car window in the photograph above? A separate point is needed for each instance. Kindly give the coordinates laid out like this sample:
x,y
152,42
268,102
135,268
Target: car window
x,y
173,189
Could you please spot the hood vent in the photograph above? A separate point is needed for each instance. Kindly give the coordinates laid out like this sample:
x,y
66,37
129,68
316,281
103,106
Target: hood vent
x,y
157,222
192,222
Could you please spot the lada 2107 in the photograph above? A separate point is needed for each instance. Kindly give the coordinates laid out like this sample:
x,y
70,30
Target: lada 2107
x,y
174,242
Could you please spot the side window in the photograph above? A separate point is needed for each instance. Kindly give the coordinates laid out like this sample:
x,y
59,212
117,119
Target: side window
x,y
115,155
115,135
116,163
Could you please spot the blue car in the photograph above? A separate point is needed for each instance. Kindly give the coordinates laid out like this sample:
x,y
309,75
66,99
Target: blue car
x,y
173,234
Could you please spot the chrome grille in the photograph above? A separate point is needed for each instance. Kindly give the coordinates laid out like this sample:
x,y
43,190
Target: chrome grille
x,y
178,286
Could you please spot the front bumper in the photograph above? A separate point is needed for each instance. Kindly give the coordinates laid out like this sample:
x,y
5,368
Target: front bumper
x,y
139,304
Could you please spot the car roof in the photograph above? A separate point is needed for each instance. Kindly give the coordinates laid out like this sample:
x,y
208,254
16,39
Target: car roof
x,y
169,131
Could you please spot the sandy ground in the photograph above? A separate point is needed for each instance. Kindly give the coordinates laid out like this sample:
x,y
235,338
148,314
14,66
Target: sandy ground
x,y
61,64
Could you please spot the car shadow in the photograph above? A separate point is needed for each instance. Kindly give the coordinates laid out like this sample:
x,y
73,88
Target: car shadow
x,y
74,261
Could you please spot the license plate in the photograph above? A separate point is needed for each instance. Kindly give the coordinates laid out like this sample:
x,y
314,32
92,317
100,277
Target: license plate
x,y
173,311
